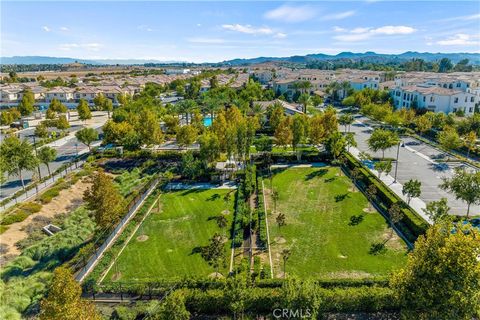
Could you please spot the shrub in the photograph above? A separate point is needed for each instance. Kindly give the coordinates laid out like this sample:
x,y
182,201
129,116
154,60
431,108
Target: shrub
x,y
15,217
31,207
48,195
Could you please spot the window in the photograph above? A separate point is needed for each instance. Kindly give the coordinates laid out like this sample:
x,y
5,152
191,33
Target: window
x,y
432,99
458,85
472,99
470,110
454,109
466,99
424,99
455,100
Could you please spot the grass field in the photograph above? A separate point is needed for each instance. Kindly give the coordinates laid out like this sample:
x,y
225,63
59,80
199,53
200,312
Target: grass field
x,y
182,224
318,205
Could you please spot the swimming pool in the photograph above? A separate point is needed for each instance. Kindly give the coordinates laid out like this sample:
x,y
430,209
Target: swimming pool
x,y
207,121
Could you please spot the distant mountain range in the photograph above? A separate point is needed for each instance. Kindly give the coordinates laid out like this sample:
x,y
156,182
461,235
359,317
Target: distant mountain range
x,y
372,57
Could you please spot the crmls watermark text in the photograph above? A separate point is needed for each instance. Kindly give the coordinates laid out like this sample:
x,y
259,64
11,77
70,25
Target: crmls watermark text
x,y
292,313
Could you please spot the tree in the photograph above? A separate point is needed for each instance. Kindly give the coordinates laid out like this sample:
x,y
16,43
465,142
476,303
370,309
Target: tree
x,y
465,186
381,139
299,130
317,130
350,141
46,155
173,308
62,123
412,189
87,136
283,133
316,100
107,106
396,215
371,193
276,116
172,123
209,147
383,166
449,139
280,219
423,123
104,199
190,167
17,156
304,100
27,103
285,256
148,128
83,110
336,144
470,142
263,143
437,210
214,253
346,120
441,278
63,300
41,131
186,135
445,65
99,101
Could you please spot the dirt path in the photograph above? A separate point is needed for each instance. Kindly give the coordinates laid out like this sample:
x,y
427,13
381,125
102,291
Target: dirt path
x,y
68,200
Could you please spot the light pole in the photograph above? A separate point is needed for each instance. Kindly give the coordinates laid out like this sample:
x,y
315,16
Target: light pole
x,y
36,155
396,162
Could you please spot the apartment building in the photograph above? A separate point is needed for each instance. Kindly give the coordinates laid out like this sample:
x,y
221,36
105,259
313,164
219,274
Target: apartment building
x,y
434,98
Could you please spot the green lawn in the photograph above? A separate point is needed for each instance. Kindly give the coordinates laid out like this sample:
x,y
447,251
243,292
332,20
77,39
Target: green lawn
x,y
182,225
318,204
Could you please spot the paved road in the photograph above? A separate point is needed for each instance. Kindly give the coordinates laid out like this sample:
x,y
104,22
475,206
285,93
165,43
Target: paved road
x,y
417,161
67,149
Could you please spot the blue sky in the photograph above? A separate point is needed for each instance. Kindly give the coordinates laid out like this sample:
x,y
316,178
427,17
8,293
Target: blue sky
x,y
216,30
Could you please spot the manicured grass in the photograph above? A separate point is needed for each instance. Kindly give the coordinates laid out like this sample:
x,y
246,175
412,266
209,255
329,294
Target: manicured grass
x,y
318,204
183,225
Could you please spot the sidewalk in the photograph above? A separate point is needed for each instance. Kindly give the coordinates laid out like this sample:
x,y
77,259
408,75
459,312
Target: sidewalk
x,y
415,203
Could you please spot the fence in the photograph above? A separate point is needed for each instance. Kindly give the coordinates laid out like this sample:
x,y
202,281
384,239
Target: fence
x,y
133,206
33,189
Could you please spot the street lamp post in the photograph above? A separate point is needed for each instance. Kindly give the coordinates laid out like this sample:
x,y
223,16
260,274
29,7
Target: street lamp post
x,y
36,155
396,163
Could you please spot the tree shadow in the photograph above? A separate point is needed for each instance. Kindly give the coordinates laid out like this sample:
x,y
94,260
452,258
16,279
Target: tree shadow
x,y
341,197
316,173
196,250
377,248
356,220
330,179
213,197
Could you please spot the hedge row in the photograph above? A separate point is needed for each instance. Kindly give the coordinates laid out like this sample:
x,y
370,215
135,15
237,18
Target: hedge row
x,y
262,225
263,301
241,213
412,225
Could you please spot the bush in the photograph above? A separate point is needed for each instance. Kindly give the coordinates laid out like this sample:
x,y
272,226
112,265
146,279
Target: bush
x,y
48,195
15,217
31,207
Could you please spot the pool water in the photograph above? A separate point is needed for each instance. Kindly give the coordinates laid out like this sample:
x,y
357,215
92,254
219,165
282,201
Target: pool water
x,y
207,121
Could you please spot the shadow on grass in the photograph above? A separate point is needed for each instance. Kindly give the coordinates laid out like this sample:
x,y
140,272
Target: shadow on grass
x,y
329,180
377,248
316,173
341,197
213,197
355,220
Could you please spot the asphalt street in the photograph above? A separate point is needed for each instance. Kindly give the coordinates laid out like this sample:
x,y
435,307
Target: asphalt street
x,y
67,149
418,160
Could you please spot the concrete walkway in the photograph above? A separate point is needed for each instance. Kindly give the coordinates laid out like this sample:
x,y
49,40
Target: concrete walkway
x,y
205,186
417,204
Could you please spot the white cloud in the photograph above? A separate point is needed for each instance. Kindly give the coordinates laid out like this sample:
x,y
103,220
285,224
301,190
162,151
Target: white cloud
x,y
460,39
86,46
338,16
248,29
64,29
339,29
206,40
287,13
199,24
461,18
280,35
144,27
46,29
359,34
